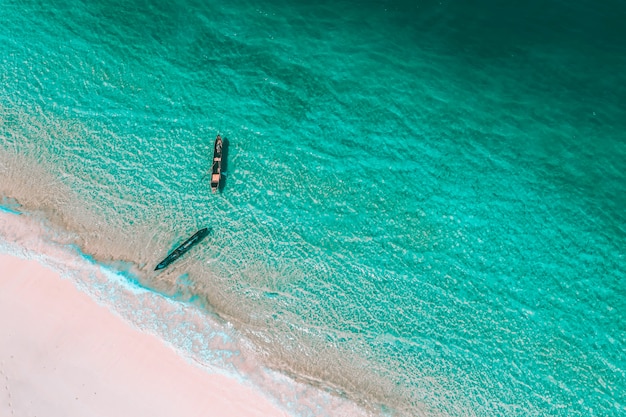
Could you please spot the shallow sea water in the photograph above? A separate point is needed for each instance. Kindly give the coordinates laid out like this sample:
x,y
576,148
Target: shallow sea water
x,y
422,209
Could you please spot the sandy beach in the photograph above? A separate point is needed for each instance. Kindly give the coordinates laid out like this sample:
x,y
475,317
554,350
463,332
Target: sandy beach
x,y
64,355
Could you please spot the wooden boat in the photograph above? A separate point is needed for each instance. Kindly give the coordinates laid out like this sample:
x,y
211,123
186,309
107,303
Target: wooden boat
x,y
216,173
182,249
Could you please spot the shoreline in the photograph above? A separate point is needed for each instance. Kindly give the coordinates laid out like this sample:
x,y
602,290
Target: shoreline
x,y
184,330
65,355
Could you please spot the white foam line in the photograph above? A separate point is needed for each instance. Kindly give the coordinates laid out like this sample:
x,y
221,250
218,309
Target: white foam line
x,y
69,356
191,333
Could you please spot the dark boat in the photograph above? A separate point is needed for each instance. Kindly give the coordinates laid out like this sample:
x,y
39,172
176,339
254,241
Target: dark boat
x,y
216,173
180,251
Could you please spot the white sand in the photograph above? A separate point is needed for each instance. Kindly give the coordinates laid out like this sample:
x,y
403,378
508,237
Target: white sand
x,y
63,355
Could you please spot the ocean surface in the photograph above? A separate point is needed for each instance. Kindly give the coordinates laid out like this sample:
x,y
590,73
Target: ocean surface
x,y
423,209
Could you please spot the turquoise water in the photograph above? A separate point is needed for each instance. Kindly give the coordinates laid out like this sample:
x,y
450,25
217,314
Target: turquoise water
x,y
423,205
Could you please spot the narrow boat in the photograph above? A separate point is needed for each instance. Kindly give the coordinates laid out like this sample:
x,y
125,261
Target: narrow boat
x,y
180,251
216,173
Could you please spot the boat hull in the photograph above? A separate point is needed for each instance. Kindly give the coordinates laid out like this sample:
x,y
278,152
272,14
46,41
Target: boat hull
x,y
216,171
183,248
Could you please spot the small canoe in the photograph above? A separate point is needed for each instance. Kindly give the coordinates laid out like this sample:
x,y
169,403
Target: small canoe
x,y
216,173
182,249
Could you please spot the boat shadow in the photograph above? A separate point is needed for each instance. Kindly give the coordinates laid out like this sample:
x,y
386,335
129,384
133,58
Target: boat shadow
x,y
224,176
